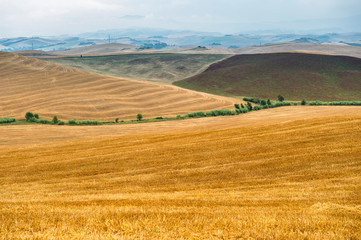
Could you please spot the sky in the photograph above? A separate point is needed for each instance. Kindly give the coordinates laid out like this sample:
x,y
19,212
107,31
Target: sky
x,y
56,17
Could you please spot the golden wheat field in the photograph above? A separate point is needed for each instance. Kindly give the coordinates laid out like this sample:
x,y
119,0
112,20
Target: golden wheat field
x,y
49,89
272,174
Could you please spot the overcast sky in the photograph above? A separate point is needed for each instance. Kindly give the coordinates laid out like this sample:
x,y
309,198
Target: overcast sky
x,y
55,17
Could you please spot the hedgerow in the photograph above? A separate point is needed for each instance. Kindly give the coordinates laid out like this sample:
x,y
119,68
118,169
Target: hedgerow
x,y
254,99
7,120
221,112
195,115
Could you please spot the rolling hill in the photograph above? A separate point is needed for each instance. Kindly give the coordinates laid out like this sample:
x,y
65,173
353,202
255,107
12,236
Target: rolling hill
x,y
97,49
296,76
288,178
29,84
162,67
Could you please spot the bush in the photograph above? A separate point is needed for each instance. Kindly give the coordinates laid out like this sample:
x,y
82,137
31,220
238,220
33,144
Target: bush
x,y
139,117
36,116
72,122
159,118
89,122
7,120
61,122
242,110
280,98
236,106
44,121
195,115
317,103
279,104
263,102
117,120
28,116
303,102
242,106
269,102
55,120
256,108
254,99
221,112
249,106
345,103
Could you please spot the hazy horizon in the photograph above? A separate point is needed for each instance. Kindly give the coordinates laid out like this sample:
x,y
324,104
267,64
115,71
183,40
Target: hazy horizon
x,y
49,18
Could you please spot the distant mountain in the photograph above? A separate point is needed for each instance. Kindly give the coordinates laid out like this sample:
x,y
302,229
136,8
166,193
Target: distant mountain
x,y
170,39
306,40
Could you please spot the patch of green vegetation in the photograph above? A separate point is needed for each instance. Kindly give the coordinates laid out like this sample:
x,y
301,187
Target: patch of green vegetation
x,y
290,75
163,67
7,120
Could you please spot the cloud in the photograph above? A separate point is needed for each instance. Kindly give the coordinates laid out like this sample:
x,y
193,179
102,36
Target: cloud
x,y
132,17
50,17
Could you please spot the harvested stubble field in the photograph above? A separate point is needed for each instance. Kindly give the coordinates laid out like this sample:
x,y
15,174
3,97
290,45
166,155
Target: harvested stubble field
x,y
49,89
245,177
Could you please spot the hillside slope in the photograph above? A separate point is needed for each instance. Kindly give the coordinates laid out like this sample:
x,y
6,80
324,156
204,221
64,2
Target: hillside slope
x,y
49,89
97,49
162,67
296,76
291,180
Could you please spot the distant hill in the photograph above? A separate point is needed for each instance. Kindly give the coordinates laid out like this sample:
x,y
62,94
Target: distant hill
x,y
35,53
296,76
29,84
98,49
334,49
306,40
162,67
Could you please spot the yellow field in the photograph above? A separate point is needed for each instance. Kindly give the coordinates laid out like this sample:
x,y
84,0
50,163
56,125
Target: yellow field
x,y
273,174
49,89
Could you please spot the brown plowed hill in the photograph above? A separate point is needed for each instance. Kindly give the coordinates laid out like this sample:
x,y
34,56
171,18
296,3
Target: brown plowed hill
x,y
295,76
49,89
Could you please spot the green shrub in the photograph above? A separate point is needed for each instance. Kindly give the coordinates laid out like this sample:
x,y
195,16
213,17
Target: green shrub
x,y
179,116
242,110
263,102
256,108
7,120
317,103
280,98
44,121
159,118
61,122
249,106
36,116
254,99
236,106
242,106
195,115
279,104
55,120
345,103
221,112
72,122
28,116
269,102
117,120
139,117
303,102
89,122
